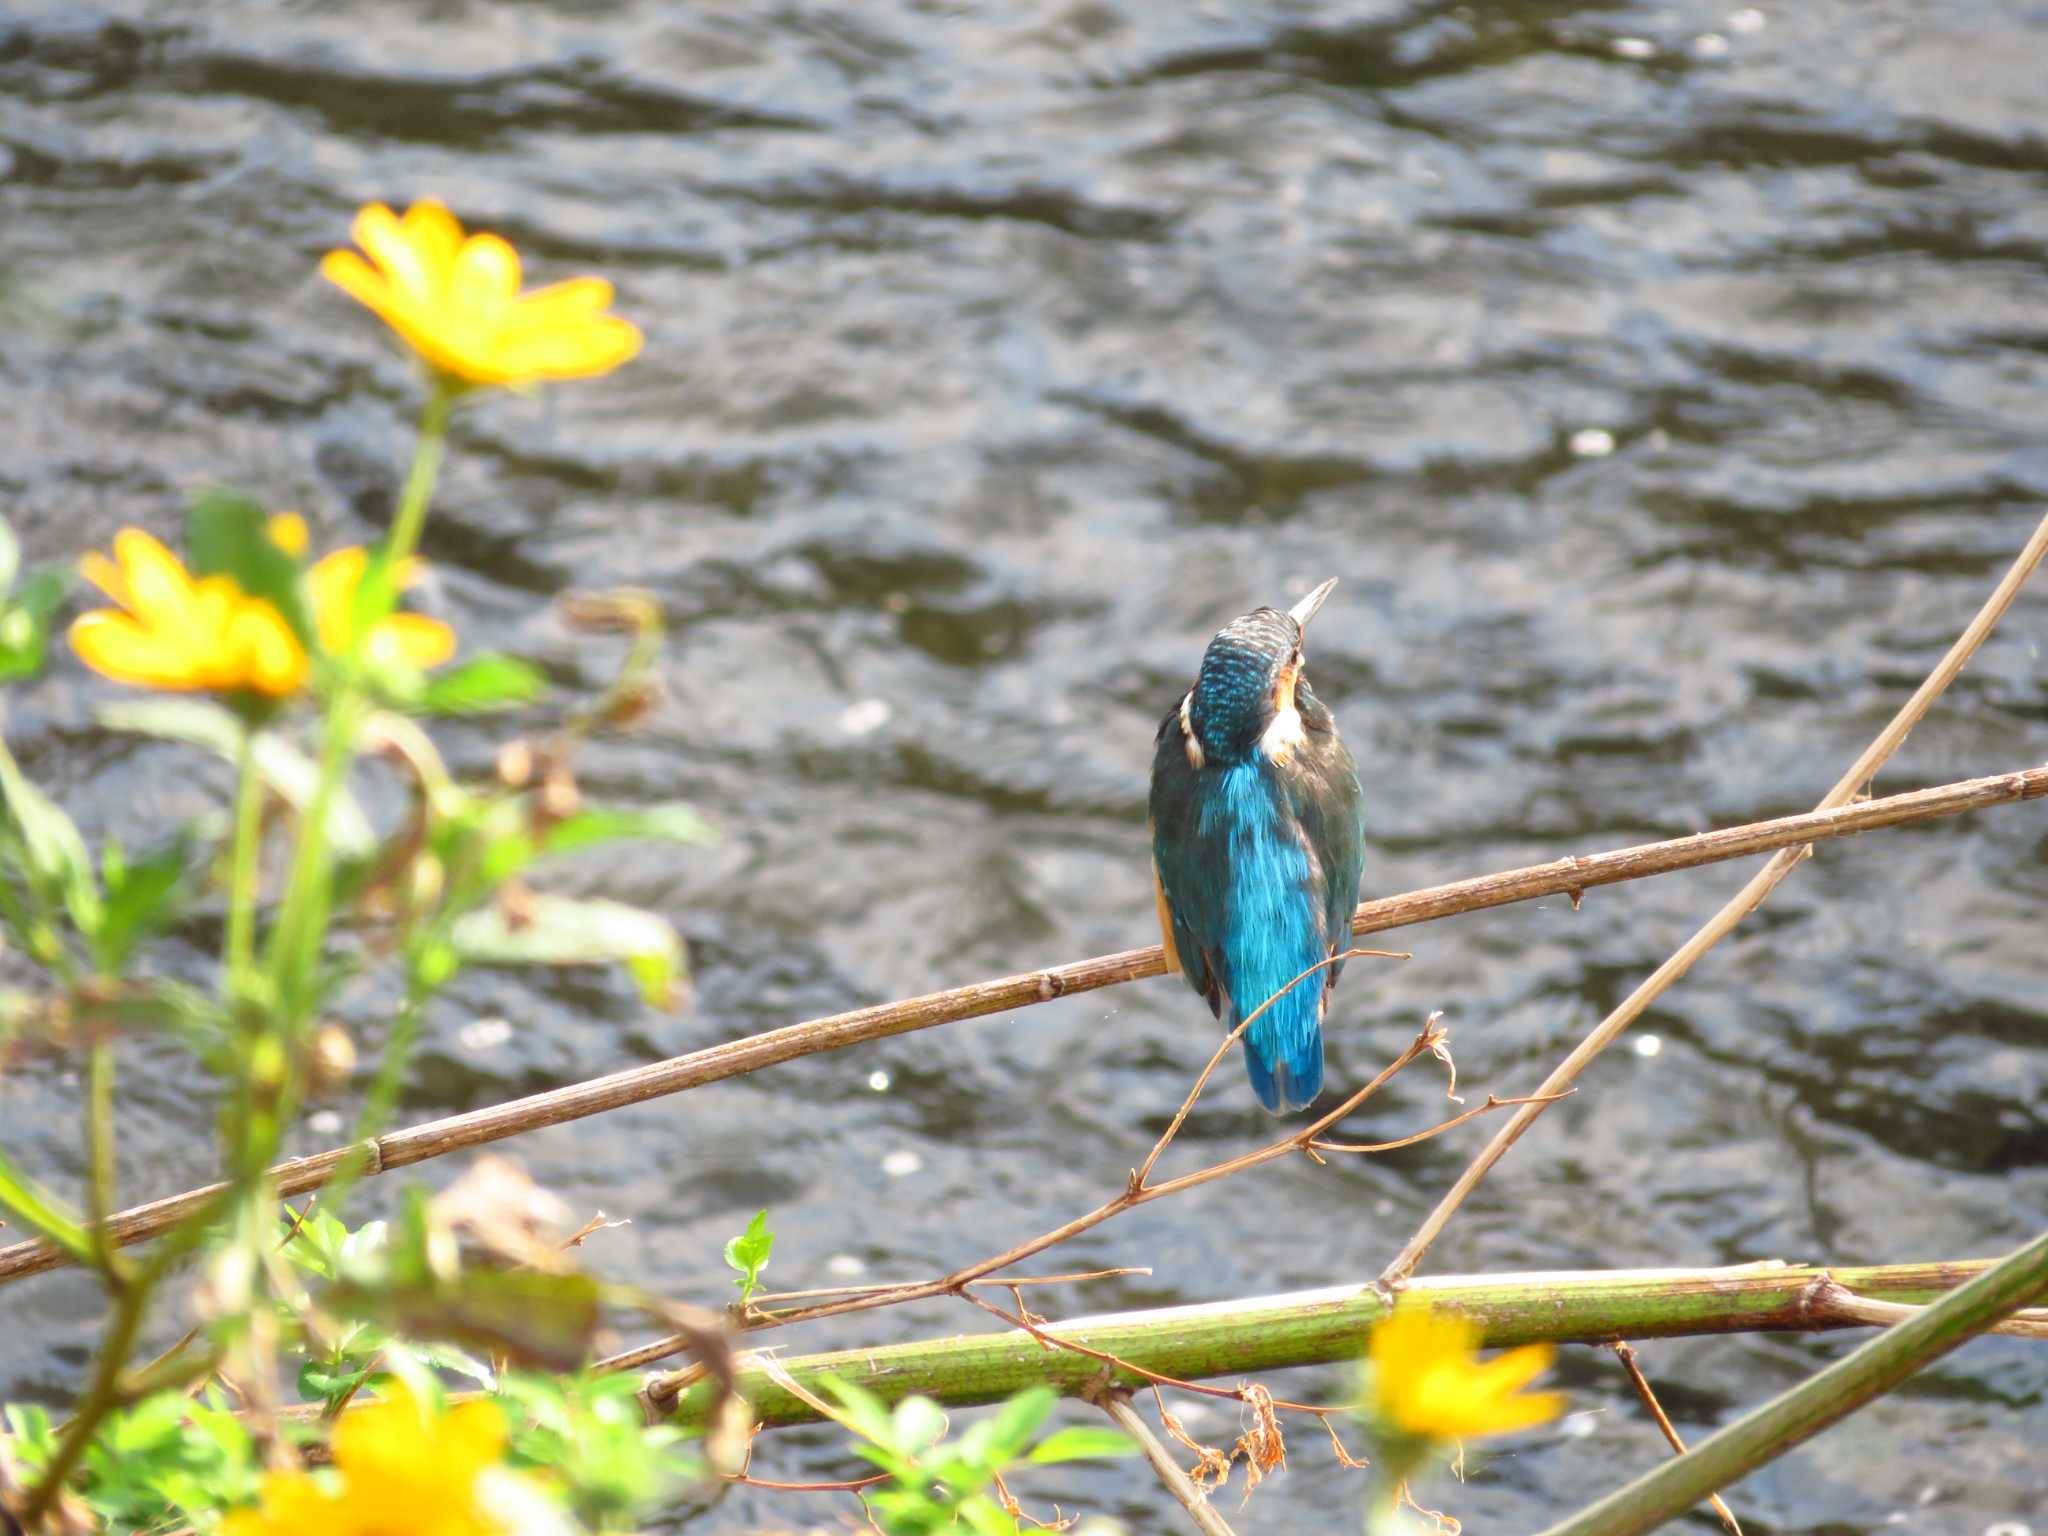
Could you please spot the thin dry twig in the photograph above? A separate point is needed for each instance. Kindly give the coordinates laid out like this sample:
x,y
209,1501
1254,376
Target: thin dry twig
x,y
1144,1169
1852,784
635,1085
1118,1406
661,1390
1626,1354
1493,1101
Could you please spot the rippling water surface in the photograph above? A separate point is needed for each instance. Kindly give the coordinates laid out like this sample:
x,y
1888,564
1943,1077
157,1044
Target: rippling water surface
x,y
1665,382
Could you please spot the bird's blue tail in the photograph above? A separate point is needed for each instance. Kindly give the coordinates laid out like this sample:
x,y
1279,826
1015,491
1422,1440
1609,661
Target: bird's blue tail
x,y
1271,936
1287,1073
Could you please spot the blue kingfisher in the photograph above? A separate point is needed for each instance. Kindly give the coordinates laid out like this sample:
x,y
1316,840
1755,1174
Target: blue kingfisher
x,y
1258,842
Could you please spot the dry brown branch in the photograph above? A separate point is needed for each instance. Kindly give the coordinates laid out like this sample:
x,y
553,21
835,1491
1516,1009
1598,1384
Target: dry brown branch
x,y
1836,802
1118,1406
635,1085
1626,1354
661,1389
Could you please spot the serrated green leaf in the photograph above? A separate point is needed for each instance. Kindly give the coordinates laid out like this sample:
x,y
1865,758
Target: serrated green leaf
x,y
485,682
1082,1442
287,772
227,534
564,930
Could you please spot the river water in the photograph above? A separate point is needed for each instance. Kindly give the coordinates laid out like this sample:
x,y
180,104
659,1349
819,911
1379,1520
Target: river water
x,y
1664,382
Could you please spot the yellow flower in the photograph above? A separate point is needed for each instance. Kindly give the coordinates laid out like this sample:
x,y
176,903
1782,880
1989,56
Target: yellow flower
x,y
177,632
401,1470
455,300
410,638
1429,1384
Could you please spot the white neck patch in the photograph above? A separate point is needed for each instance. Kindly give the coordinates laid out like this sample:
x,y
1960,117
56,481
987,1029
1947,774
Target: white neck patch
x,y
1196,757
1284,736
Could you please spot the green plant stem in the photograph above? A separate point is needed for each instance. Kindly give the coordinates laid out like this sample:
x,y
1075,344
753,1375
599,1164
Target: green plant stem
x,y
99,1162
1831,1395
101,1399
309,893
245,857
1321,1327
419,480
378,1103
309,889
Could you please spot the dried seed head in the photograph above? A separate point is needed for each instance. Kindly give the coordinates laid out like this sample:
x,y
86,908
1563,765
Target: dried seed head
x,y
330,1061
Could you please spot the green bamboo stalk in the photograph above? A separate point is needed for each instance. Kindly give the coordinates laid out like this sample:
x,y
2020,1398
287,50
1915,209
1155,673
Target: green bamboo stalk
x,y
1321,1327
1833,1394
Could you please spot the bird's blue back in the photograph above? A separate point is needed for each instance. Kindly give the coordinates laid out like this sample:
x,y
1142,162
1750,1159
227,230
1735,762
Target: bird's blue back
x,y
1258,865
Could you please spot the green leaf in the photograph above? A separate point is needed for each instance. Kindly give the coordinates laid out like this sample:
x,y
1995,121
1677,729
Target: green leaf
x,y
227,534
327,1380
142,899
1082,1442
1002,1439
600,824
29,1426
287,772
25,622
917,1425
54,851
748,1254
988,1517
863,1410
485,682
563,930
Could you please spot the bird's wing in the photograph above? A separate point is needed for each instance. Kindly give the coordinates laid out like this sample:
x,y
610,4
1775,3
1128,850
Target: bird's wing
x,y
1327,797
1187,869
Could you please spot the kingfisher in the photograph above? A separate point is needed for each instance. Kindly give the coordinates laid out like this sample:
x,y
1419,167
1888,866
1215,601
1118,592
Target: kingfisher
x,y
1258,843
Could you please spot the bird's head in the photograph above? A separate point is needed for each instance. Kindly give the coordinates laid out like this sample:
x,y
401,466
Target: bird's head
x,y
1247,681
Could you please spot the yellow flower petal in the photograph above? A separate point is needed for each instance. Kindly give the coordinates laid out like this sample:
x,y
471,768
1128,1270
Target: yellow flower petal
x,y
485,272
1428,1383
331,588
173,632
455,301
116,646
414,639
287,531
104,574
265,651
432,231
403,264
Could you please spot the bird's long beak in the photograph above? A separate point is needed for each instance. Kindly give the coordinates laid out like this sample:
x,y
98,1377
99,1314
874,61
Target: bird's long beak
x,y
1305,610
